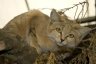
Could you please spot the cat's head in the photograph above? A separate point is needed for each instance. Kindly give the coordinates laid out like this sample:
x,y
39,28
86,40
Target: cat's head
x,y
66,32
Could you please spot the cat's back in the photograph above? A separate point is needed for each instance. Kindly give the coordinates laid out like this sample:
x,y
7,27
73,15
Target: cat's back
x,y
25,17
21,23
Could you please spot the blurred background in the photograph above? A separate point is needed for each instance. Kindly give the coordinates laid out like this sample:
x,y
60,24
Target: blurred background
x,y
72,8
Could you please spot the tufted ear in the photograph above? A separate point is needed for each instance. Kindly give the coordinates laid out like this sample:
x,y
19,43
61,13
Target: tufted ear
x,y
54,16
2,45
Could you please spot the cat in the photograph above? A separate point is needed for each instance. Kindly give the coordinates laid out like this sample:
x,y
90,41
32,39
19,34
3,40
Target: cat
x,y
46,33
32,26
71,33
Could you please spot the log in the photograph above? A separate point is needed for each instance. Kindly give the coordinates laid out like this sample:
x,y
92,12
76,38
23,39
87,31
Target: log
x,y
86,20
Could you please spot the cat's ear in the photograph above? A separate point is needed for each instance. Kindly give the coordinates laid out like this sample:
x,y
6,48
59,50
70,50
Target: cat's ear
x,y
76,26
2,45
83,31
54,16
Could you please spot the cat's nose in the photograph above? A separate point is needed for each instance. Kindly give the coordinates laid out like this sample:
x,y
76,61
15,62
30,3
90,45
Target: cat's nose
x,y
62,40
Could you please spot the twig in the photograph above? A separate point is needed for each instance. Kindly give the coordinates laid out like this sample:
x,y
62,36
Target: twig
x,y
76,12
66,9
80,11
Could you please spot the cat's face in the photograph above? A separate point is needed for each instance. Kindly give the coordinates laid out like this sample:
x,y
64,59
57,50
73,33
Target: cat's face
x,y
64,31
64,34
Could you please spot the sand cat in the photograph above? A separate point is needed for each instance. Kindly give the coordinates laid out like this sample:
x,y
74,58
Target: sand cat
x,y
46,33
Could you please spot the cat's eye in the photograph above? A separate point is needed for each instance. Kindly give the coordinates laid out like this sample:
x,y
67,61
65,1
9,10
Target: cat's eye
x,y
58,29
71,35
